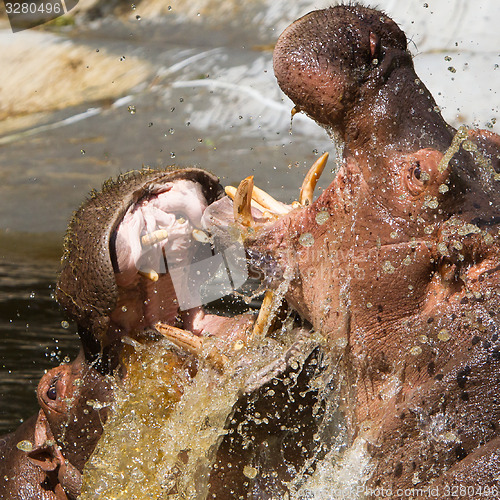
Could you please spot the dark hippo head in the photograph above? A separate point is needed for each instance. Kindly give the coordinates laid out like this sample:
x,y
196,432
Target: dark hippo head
x,y
75,399
397,263
138,253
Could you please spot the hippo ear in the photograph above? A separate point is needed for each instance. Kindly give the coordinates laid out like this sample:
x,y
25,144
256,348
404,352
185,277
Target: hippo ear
x,y
45,453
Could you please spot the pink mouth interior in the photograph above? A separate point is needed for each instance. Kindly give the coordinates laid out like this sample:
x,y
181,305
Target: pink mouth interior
x,y
176,207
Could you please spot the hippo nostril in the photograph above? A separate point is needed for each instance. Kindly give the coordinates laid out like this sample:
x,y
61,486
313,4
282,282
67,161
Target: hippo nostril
x,y
52,392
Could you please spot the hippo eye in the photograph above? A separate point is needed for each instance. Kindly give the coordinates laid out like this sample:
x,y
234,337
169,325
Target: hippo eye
x,y
417,172
52,392
416,178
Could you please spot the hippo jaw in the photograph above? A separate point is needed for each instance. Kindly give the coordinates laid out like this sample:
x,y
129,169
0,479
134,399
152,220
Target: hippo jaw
x,y
133,253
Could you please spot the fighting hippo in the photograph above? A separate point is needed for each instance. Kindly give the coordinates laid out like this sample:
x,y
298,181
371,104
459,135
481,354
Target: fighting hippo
x,y
135,261
44,458
397,263
136,255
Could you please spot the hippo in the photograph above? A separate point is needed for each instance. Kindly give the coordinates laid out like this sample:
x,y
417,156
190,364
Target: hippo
x,y
123,282
129,254
396,264
44,458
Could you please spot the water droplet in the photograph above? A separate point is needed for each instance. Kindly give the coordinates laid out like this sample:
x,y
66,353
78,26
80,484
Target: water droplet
x,y
306,239
444,335
443,188
423,339
426,5
447,58
122,58
124,309
150,124
415,351
138,18
169,7
443,249
369,305
24,445
82,151
172,154
132,6
238,345
65,324
387,267
171,131
451,69
322,217
132,110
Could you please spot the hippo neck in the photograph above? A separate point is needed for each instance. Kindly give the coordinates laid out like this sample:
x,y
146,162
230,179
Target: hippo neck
x,y
400,111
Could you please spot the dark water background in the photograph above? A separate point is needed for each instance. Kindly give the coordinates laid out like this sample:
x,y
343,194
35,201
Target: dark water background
x,y
211,101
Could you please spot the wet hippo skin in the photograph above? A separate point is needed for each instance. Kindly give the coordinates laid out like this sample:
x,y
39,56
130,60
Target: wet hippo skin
x,y
397,263
44,457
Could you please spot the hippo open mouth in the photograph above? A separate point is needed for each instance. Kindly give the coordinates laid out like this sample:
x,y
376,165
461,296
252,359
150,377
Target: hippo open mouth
x,y
163,247
155,260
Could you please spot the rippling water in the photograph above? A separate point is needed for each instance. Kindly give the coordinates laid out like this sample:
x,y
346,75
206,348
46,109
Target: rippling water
x,y
209,100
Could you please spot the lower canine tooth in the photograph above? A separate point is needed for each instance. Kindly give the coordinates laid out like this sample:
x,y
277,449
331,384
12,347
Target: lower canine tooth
x,y
242,202
155,237
311,179
191,343
264,319
181,338
152,275
231,192
267,201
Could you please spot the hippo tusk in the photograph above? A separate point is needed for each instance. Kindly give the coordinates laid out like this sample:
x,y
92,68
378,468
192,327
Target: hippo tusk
x,y
311,179
151,275
181,338
151,239
242,202
266,214
191,343
268,202
264,319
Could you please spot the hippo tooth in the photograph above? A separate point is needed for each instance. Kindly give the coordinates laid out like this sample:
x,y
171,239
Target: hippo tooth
x,y
200,236
263,322
181,338
311,179
231,192
151,239
267,201
242,202
191,343
152,275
